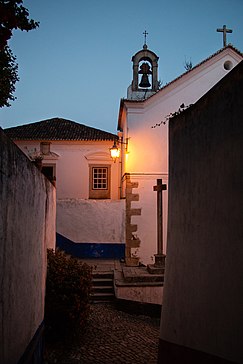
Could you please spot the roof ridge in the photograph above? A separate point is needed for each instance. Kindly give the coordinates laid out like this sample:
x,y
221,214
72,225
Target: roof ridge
x,y
187,72
57,129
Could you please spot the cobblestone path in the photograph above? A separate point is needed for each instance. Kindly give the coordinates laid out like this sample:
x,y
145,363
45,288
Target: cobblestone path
x,y
113,337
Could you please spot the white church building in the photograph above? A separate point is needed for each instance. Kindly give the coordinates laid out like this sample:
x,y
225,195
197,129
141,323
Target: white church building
x,y
143,124
107,209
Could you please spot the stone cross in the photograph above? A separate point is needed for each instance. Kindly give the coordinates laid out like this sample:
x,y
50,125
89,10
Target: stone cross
x,y
224,30
145,36
159,257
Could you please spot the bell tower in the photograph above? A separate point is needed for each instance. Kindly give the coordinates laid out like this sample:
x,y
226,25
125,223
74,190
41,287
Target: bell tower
x,y
145,74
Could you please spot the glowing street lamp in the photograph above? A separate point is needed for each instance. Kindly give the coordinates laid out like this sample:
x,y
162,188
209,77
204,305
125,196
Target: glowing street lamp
x,y
115,151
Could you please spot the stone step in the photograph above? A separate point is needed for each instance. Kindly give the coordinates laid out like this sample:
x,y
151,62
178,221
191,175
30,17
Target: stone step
x,y
102,286
102,297
141,274
103,289
102,282
101,275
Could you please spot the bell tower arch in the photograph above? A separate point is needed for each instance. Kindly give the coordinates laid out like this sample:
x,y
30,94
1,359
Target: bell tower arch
x,y
145,74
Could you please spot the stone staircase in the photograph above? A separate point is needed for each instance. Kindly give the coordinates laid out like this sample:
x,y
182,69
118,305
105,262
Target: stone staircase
x,y
139,285
102,287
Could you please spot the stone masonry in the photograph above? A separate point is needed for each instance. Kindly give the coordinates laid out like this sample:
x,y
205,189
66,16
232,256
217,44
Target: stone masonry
x,y
132,241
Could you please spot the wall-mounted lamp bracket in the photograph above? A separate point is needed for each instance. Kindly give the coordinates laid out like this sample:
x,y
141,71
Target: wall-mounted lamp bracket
x,y
115,150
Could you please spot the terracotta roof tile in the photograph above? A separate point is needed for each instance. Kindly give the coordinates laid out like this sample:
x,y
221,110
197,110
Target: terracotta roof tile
x,y
57,129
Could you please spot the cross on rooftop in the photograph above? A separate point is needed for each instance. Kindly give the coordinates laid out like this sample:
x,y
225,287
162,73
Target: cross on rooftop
x,y
145,36
224,30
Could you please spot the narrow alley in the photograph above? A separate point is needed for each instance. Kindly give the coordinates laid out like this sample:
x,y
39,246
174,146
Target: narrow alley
x,y
112,337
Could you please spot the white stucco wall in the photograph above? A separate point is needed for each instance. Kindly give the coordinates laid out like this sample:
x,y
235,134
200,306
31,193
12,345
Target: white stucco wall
x,y
72,165
50,220
27,228
94,221
203,292
148,147
78,218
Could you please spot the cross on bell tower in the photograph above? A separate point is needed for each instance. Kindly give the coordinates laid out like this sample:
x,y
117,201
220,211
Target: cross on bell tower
x,y
145,38
145,63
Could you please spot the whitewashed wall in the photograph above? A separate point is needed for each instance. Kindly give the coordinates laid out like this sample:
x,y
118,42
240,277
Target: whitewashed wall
x,y
147,156
91,221
27,228
202,319
79,219
72,165
148,147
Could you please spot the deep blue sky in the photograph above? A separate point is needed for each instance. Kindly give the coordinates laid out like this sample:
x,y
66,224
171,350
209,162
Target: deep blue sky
x,y
77,64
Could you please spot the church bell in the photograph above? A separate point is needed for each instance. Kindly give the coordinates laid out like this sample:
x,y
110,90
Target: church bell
x,y
145,71
144,81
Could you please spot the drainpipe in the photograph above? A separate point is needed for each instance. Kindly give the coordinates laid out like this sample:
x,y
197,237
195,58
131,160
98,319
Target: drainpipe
x,y
122,165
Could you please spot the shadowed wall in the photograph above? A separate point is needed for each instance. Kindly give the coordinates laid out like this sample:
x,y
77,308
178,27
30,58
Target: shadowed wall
x,y
27,228
202,317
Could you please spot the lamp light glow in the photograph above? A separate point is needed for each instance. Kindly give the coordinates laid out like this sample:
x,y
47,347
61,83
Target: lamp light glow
x,y
115,151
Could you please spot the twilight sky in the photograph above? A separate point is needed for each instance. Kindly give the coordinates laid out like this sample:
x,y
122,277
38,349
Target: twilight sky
x,y
77,64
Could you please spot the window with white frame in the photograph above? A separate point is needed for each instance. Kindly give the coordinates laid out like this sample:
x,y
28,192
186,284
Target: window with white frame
x,y
99,185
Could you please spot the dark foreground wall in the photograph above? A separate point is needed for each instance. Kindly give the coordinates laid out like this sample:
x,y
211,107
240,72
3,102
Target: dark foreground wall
x,y
202,314
27,228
